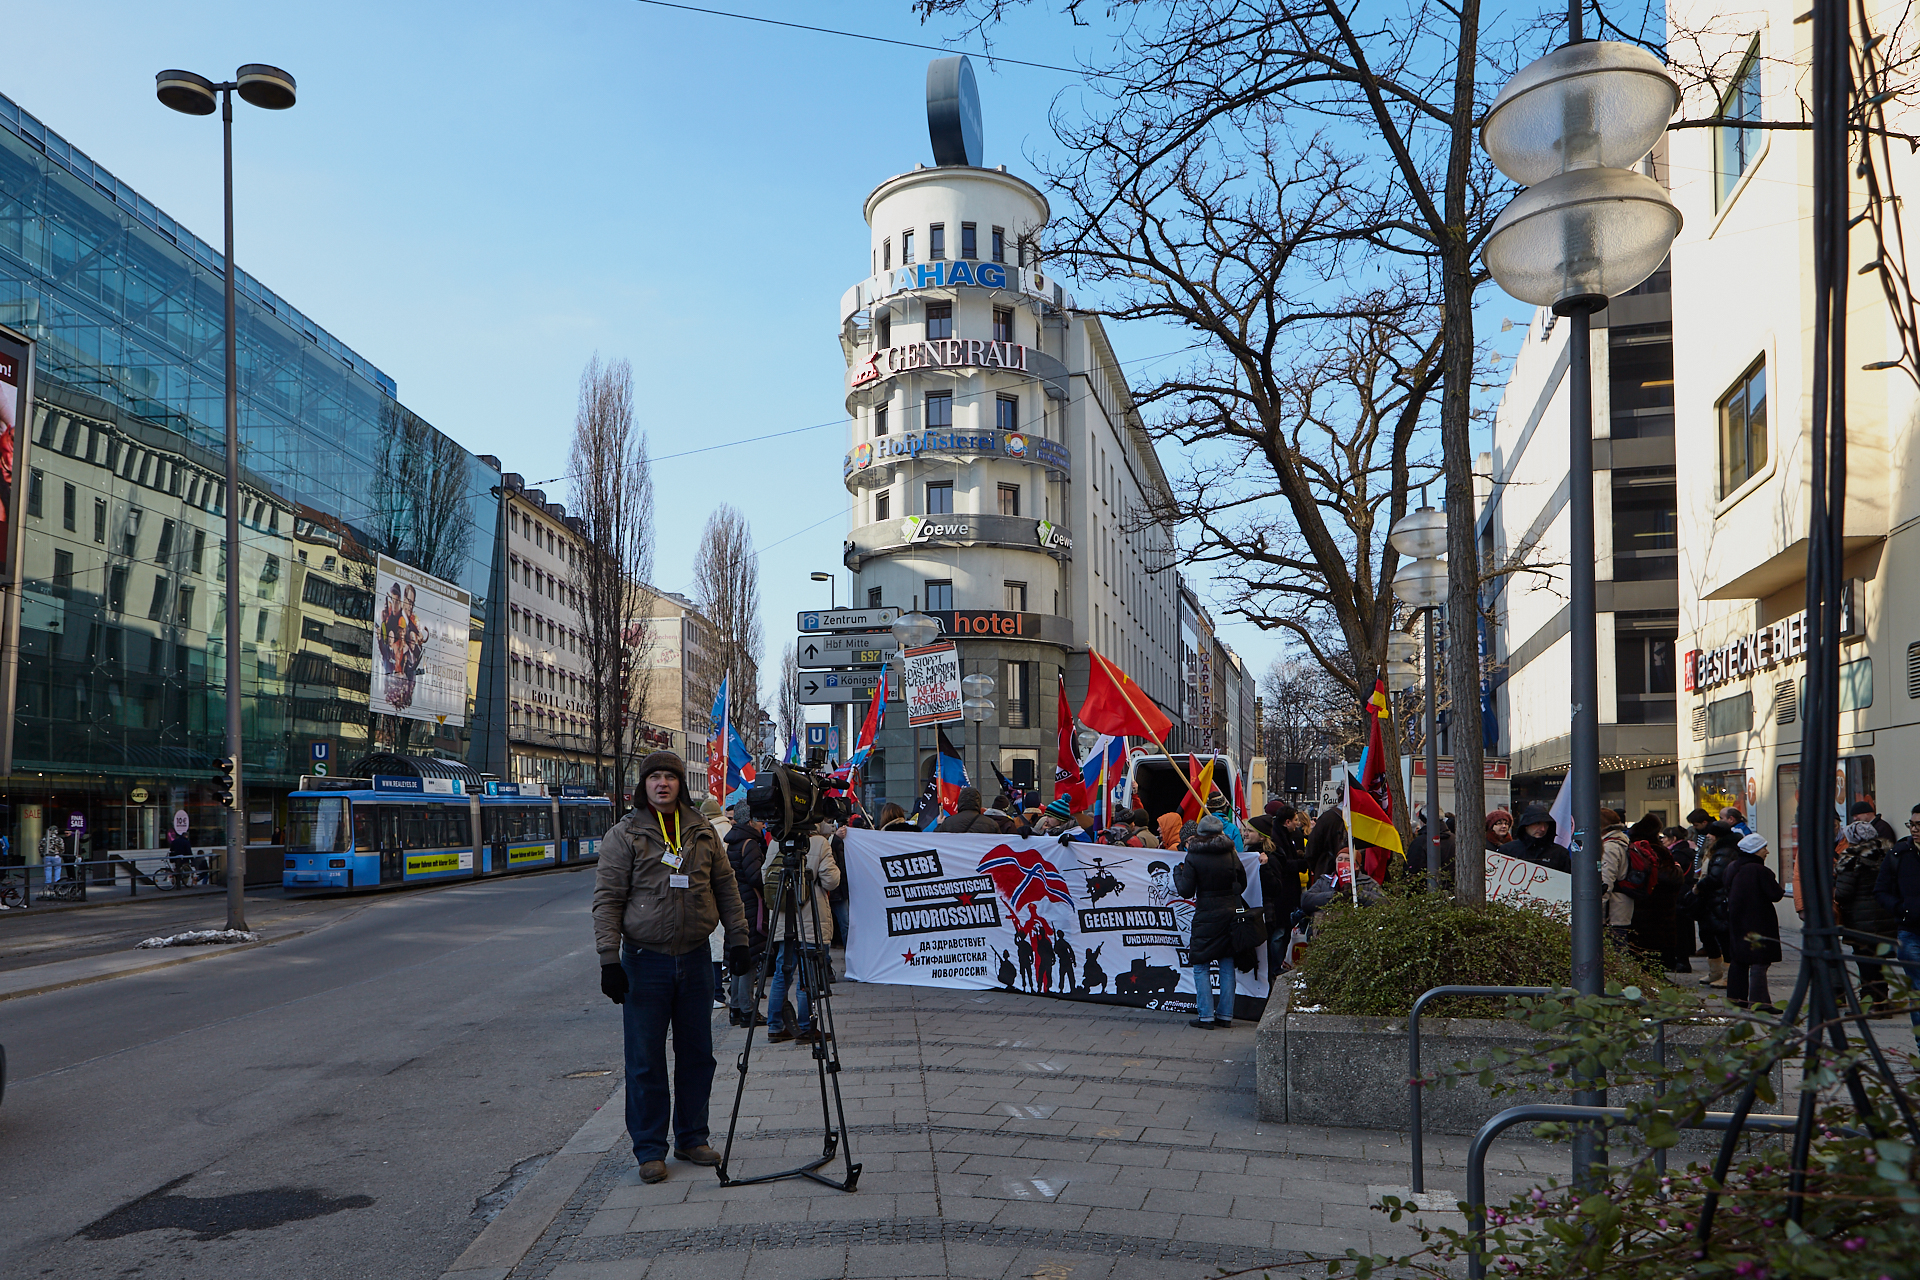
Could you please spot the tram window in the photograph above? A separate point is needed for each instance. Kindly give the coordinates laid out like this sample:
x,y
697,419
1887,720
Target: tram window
x,y
413,828
317,825
363,837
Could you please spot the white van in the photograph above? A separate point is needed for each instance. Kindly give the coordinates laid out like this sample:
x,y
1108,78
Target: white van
x,y
1157,783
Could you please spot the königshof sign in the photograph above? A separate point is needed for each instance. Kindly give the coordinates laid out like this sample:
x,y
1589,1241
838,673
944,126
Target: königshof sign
x,y
1079,921
421,627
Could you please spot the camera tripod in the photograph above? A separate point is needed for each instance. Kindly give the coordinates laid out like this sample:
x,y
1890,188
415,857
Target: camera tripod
x,y
815,964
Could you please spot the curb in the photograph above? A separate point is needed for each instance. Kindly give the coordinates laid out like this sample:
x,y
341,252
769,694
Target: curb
x,y
498,1249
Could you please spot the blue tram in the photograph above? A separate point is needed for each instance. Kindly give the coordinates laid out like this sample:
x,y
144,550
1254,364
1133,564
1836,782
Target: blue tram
x,y
366,833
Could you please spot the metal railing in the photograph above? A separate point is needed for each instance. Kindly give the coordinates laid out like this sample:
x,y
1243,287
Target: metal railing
x,y
1415,1083
69,880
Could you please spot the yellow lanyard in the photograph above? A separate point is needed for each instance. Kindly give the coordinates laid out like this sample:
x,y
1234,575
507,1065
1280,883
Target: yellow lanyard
x,y
673,841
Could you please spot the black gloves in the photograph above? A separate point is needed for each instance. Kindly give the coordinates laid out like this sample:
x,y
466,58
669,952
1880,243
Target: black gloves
x,y
739,960
613,983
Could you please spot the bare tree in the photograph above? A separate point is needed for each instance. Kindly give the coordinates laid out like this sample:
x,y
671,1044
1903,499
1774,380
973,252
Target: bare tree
x,y
791,715
613,505
726,584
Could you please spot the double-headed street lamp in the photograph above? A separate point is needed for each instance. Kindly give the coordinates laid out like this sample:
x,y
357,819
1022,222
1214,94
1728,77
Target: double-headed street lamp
x,y
195,95
1587,228
911,631
1421,536
977,704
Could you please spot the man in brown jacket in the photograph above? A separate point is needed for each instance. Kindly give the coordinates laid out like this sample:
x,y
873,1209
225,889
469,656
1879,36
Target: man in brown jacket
x,y
663,885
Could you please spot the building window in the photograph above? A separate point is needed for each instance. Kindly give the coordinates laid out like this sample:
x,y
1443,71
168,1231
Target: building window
x,y
186,607
62,573
1643,679
1016,597
1743,428
130,534
1735,149
159,603
69,500
1730,715
937,242
1016,683
880,419
906,248
1009,499
883,327
100,522
1006,413
999,244
35,481
117,589
969,240
939,409
939,320
873,597
939,594
1645,538
940,498
164,552
883,505
886,254
1003,324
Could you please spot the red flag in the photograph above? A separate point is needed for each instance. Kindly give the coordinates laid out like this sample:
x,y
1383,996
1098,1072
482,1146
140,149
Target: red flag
x,y
1373,777
1239,797
1118,706
1066,761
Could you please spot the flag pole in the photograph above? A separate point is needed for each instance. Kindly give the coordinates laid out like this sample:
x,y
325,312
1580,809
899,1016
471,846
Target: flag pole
x,y
1191,790
1346,806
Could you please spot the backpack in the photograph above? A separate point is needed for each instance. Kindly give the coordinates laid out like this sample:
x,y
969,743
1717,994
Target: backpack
x,y
1643,870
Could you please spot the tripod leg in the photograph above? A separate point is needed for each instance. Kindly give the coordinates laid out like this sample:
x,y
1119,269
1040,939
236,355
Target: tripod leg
x,y
746,1049
826,1052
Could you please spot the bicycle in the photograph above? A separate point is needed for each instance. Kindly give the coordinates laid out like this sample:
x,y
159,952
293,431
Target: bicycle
x,y
10,891
70,887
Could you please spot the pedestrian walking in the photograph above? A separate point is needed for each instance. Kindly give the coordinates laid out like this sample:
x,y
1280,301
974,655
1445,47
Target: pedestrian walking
x,y
1212,876
1753,926
1898,889
819,876
662,883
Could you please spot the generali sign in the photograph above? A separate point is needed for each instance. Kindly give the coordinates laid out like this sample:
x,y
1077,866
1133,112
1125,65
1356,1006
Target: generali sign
x,y
941,353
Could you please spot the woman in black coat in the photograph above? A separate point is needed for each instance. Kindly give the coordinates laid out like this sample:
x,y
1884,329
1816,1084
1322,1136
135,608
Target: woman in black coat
x,y
1708,903
1213,877
1280,870
1326,842
1753,928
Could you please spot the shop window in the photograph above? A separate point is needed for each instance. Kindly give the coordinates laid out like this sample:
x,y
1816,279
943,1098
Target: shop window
x,y
940,497
939,594
939,320
1735,149
1726,789
1743,428
1009,499
1730,715
937,242
969,240
1006,413
939,410
1003,324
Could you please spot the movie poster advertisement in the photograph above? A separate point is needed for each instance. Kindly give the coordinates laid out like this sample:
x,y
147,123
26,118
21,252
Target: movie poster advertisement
x,y
1076,921
421,624
14,414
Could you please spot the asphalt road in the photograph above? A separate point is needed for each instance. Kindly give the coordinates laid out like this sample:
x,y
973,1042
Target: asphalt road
x,y
335,1105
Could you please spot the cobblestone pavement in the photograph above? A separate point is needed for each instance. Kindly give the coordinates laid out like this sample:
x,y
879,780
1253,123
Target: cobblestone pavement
x,y
1003,1135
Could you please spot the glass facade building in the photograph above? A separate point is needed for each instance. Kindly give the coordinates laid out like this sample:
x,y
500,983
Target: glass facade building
x,y
120,705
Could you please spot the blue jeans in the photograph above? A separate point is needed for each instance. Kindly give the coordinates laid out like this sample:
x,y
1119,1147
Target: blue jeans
x,y
1203,990
1908,953
785,971
840,922
668,992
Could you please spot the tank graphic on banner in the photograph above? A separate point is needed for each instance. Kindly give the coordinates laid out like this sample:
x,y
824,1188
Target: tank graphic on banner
x,y
980,911
420,639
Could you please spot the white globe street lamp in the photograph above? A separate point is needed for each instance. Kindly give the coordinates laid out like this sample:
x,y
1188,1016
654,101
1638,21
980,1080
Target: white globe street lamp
x,y
1420,535
1422,584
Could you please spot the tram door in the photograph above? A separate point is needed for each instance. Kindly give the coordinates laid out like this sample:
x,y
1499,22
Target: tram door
x,y
376,828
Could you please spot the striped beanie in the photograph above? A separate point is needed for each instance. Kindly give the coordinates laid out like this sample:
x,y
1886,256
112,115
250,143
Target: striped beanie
x,y
1060,808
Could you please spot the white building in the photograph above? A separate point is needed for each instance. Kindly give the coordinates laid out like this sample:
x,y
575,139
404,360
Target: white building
x,y
1742,329
999,472
549,731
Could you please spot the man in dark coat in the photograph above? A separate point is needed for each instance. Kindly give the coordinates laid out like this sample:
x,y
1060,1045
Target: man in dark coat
x,y
746,843
1898,889
1535,842
1863,811
968,817
1280,872
1213,877
1855,874
1753,927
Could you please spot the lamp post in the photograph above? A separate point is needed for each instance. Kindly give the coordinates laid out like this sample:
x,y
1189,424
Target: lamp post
x,y
1421,582
977,703
833,587
1586,229
911,631
195,95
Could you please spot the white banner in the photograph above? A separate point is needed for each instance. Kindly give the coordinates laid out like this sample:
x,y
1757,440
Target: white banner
x,y
421,627
1526,884
1081,921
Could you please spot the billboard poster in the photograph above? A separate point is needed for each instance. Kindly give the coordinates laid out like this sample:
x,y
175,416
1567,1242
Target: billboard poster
x,y
420,645
1074,921
15,413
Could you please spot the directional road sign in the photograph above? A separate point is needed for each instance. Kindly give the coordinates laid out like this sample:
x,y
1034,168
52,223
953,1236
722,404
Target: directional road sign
x,y
847,619
819,687
874,648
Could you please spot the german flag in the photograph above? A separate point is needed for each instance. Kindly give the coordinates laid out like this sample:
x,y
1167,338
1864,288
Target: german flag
x,y
1368,823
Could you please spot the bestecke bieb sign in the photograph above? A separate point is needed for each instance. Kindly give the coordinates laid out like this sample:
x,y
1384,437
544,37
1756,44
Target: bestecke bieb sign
x,y
977,912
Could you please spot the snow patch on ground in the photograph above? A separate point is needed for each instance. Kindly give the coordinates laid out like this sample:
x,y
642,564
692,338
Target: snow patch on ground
x,y
200,938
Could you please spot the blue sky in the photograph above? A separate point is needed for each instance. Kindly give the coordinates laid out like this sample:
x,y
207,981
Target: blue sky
x,y
478,197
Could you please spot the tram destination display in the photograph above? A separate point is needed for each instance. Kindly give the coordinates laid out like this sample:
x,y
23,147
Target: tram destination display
x,y
421,628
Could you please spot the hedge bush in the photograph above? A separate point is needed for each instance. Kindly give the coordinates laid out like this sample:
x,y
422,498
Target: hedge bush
x,y
1376,960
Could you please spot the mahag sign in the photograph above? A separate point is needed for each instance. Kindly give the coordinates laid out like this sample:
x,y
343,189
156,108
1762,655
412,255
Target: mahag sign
x,y
1081,921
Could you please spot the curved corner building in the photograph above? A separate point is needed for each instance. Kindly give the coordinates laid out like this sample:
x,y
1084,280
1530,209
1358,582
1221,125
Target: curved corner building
x,y
1000,478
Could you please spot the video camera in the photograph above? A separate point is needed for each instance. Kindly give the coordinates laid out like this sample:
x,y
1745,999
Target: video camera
x,y
791,799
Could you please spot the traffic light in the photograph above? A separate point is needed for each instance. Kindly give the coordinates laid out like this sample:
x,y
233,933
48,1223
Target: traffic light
x,y
227,798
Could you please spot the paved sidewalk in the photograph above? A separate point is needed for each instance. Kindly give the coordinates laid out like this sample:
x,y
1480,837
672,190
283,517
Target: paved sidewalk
x,y
1000,1135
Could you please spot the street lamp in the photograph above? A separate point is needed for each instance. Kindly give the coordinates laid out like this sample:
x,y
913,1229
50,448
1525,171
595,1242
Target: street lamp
x,y
912,631
1586,229
833,585
1422,584
195,95
977,705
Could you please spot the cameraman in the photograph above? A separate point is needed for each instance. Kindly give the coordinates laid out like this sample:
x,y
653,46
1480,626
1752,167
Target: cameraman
x,y
662,885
